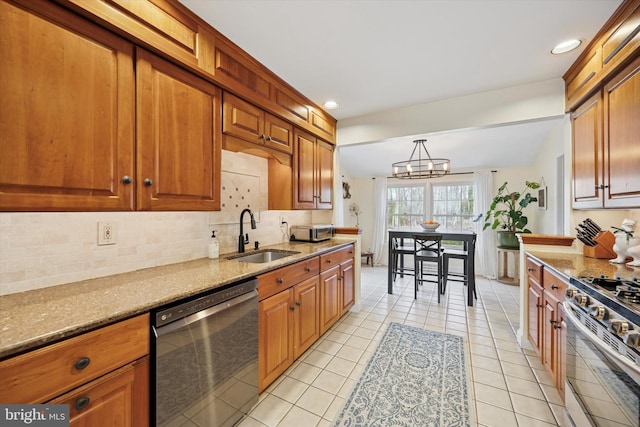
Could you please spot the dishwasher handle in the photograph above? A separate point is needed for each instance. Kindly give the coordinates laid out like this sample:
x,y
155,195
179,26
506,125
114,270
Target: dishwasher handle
x,y
180,323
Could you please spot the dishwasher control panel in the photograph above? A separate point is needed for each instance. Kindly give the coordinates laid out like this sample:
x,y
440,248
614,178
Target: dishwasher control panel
x,y
194,305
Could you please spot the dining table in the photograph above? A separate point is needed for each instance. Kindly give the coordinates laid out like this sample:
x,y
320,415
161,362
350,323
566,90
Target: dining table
x,y
465,236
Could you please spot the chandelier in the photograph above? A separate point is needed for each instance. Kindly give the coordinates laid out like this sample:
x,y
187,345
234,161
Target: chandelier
x,y
422,166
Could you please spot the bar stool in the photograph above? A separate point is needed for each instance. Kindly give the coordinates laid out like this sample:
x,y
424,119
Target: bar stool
x,y
462,254
398,252
427,248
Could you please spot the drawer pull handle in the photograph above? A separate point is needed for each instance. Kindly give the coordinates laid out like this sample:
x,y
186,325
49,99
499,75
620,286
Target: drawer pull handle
x,y
82,403
280,281
82,363
554,287
307,269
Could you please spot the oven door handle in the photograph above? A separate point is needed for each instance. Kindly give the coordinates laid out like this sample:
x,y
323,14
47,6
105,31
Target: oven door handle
x,y
600,344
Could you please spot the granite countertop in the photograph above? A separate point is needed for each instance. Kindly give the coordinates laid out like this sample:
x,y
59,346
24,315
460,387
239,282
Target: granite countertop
x,y
576,264
35,318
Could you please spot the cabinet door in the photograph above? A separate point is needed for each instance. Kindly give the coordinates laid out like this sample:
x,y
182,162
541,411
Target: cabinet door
x,y
535,314
242,119
306,315
330,292
622,138
279,134
179,139
275,342
549,335
562,351
586,124
304,167
116,399
347,275
324,175
66,112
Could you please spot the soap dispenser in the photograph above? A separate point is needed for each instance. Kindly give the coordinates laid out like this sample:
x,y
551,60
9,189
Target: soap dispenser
x,y
214,249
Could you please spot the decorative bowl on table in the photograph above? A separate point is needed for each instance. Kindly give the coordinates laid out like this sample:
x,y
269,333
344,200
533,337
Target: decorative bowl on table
x,y
430,225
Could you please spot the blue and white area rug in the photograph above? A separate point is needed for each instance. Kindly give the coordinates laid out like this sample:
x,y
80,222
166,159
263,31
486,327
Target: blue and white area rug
x,y
415,377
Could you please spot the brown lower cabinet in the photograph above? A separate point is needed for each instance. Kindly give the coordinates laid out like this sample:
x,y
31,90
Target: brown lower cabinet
x,y
547,328
298,303
103,375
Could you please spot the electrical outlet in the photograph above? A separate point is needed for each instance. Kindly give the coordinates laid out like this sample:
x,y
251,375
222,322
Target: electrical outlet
x,y
107,233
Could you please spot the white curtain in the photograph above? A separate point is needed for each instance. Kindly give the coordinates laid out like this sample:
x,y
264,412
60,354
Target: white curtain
x,y
379,248
487,259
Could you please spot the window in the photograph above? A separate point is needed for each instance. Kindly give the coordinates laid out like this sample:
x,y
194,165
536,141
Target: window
x,y
405,206
452,205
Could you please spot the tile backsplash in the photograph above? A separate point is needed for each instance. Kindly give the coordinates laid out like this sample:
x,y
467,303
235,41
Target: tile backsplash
x,y
44,249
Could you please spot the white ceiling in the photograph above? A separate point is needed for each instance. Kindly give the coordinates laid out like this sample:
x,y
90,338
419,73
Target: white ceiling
x,y
376,55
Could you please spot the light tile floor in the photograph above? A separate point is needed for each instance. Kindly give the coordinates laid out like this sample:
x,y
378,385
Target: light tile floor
x,y
510,386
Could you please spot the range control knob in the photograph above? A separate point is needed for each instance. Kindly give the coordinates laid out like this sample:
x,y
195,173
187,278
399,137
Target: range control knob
x,y
581,299
598,312
570,293
619,327
632,339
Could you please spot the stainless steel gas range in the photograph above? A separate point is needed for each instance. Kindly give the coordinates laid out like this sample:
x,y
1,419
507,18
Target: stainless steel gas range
x,y
603,351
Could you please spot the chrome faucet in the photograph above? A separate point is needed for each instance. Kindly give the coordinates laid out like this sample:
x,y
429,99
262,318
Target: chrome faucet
x,y
244,239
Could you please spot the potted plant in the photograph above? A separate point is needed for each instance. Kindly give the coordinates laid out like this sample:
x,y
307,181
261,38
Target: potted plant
x,y
505,213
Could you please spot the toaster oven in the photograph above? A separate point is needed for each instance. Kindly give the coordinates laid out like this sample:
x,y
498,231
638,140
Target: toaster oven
x,y
311,233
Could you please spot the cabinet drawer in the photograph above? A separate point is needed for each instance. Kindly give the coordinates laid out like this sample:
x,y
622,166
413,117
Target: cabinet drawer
x,y
336,257
554,284
42,374
534,269
279,280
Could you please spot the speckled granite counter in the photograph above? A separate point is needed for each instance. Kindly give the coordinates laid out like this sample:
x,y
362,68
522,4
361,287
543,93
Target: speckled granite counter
x,y
35,318
575,264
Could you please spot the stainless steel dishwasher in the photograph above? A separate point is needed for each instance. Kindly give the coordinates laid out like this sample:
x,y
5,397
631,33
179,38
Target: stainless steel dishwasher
x,y
205,354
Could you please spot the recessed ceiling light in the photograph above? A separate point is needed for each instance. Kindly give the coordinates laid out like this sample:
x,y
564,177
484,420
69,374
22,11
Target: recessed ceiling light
x,y
566,46
331,105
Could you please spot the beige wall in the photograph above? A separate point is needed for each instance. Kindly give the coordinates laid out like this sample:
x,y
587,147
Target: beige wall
x,y
46,249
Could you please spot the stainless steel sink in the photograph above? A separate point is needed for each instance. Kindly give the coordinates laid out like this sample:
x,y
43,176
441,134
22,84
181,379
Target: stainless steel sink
x,y
262,256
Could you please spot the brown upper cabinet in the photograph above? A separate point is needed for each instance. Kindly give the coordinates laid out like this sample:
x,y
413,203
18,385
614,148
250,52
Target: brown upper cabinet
x,y
313,172
614,45
178,138
602,89
170,30
83,131
252,124
67,112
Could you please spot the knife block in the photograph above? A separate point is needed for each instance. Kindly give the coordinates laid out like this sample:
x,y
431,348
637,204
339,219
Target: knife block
x,y
603,248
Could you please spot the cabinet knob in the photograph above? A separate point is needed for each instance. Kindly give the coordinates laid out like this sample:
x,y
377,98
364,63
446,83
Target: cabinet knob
x,y
269,138
554,287
262,136
530,269
280,281
557,325
147,182
298,303
538,305
292,308
126,179
328,260
82,363
82,403
307,269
